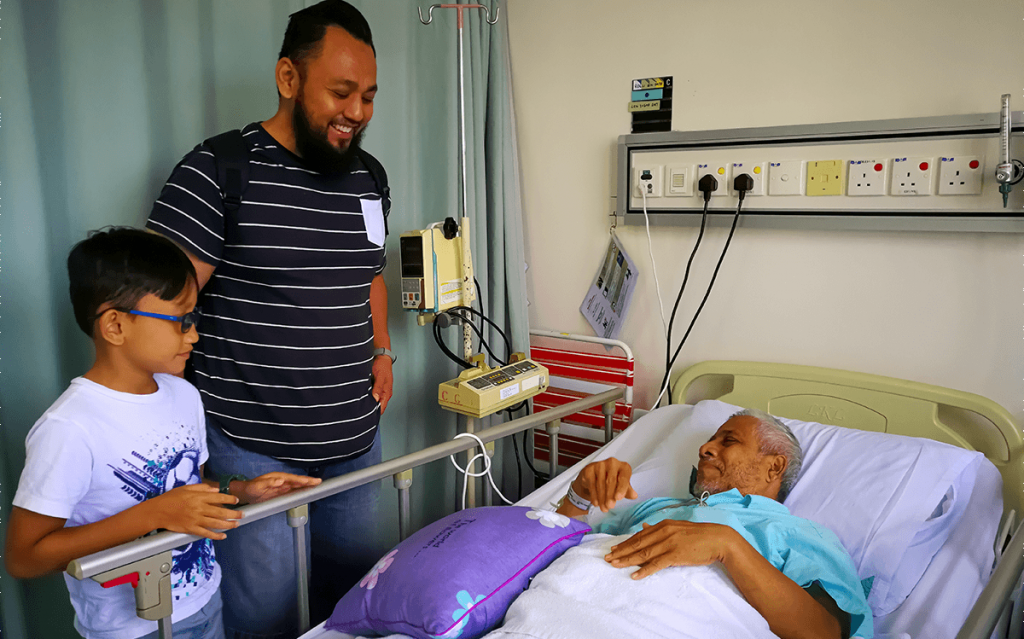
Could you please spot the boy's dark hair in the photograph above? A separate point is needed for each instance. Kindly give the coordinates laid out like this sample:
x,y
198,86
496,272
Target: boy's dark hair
x,y
121,265
306,28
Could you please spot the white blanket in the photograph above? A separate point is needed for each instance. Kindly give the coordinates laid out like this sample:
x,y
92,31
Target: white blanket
x,y
580,595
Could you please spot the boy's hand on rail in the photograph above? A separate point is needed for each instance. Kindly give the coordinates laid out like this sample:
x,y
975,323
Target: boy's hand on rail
x,y
604,483
672,543
196,509
272,485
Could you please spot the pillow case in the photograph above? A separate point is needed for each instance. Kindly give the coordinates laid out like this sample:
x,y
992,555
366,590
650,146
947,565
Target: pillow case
x,y
892,500
457,576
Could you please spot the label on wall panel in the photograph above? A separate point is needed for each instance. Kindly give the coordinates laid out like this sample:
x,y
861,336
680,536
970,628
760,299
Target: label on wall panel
x,y
652,83
648,94
648,105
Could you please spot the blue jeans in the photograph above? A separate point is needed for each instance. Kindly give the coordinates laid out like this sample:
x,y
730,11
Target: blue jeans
x,y
258,560
204,624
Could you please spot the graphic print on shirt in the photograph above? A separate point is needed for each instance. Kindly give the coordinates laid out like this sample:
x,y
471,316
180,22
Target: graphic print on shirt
x,y
167,466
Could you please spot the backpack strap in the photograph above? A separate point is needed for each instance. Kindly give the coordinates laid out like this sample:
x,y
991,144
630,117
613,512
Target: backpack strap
x,y
231,153
380,177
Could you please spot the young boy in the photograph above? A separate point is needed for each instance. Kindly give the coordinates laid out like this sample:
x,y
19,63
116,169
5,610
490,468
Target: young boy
x,y
121,452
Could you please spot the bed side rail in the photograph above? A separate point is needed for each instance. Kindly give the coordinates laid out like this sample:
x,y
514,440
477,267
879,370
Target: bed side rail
x,y
990,605
121,564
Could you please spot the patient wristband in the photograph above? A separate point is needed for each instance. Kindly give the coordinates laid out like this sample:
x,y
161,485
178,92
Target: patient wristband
x,y
577,501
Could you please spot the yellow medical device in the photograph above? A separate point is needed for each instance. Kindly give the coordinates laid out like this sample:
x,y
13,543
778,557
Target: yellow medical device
x,y
436,267
482,390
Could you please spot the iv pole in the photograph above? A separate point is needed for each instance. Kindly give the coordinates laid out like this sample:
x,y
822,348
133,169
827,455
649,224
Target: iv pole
x,y
467,263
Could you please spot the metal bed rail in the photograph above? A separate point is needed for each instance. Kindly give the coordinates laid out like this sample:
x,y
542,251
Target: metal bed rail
x,y
993,599
146,562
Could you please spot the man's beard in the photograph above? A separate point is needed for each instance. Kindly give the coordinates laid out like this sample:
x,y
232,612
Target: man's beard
x,y
742,478
319,154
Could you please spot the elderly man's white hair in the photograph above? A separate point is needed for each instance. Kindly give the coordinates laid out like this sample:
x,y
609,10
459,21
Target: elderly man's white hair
x,y
775,438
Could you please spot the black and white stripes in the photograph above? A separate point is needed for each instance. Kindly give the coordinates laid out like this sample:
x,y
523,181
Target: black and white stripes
x,y
285,351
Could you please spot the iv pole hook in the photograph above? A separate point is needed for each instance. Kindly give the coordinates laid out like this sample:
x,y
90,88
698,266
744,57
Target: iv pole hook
x,y
460,7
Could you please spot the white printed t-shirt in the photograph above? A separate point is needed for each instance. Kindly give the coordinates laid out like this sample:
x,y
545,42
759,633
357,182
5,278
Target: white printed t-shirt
x,y
98,451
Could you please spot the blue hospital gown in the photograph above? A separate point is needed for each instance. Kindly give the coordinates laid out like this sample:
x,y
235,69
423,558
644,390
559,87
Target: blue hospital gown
x,y
802,550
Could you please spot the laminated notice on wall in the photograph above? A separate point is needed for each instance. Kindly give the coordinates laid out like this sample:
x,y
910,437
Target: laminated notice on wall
x,y
611,293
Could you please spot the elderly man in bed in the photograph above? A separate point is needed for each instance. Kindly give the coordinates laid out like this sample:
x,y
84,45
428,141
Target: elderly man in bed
x,y
794,572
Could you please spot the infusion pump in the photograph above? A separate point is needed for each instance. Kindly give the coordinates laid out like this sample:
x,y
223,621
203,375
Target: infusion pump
x,y
480,391
435,267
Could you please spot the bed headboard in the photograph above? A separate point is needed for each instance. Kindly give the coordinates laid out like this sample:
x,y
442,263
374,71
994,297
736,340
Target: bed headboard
x,y
866,402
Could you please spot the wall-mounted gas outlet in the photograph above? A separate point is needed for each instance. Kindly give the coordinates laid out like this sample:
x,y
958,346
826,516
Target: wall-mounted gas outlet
x,y
961,175
721,172
754,170
825,177
867,177
679,180
912,176
647,179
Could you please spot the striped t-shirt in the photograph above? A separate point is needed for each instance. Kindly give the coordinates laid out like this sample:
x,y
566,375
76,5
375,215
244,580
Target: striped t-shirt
x,y
286,339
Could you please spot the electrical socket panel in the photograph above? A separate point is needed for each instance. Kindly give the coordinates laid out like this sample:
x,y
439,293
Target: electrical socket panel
x,y
825,177
652,185
756,170
721,172
912,176
786,178
961,175
867,177
679,180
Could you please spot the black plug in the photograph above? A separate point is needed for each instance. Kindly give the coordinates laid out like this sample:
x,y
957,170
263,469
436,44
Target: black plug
x,y
742,184
707,185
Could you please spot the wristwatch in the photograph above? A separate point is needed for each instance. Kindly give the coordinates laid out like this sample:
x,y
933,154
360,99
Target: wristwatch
x,y
225,482
383,351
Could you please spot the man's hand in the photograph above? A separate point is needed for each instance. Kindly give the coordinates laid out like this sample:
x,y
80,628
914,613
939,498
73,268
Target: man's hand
x,y
272,485
604,483
672,543
196,509
382,381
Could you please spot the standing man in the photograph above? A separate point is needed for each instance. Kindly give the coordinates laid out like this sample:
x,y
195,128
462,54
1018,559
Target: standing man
x,y
294,364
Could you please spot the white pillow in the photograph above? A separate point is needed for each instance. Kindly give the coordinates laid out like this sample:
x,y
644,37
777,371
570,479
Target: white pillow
x,y
891,500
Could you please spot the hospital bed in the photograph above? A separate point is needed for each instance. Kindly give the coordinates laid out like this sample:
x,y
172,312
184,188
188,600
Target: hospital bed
x,y
950,599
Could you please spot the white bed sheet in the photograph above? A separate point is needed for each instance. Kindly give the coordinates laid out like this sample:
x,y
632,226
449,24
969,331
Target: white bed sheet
x,y
932,611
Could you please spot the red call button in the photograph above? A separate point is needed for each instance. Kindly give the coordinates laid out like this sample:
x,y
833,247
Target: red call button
x,y
974,164
923,166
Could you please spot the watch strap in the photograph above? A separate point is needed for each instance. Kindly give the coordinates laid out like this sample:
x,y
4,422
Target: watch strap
x,y
225,482
380,350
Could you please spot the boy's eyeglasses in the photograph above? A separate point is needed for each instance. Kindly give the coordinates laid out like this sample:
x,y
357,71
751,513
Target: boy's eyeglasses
x,y
188,320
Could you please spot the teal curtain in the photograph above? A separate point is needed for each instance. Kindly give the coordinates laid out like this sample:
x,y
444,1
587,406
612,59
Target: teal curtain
x,y
99,100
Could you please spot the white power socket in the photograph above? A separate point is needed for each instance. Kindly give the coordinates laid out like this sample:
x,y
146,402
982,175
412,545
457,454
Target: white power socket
x,y
961,175
721,172
679,181
756,170
786,178
912,176
647,177
867,177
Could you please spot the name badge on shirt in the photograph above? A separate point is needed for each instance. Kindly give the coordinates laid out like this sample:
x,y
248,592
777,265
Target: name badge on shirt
x,y
373,218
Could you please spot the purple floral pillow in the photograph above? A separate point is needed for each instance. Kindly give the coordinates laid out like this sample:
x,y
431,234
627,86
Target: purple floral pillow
x,y
457,576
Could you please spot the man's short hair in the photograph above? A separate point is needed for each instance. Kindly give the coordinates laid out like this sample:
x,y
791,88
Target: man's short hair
x,y
306,28
119,266
775,438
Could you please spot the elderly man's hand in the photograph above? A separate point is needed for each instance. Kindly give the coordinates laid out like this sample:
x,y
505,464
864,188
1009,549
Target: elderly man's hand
x,y
673,543
604,483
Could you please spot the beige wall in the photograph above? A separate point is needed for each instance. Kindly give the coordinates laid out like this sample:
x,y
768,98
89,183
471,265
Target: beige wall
x,y
939,308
